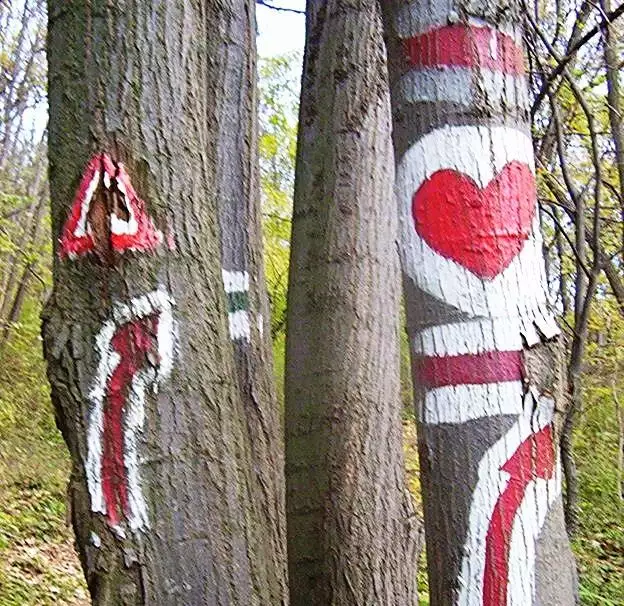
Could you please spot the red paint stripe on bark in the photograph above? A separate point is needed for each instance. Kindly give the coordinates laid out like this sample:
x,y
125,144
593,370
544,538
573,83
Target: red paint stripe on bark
x,y
133,342
533,459
466,46
469,369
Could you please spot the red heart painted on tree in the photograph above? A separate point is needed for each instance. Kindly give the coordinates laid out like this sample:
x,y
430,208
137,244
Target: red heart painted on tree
x,y
481,229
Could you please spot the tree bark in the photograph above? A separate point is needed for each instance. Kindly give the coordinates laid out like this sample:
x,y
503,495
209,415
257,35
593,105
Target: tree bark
x,y
242,266
485,349
351,527
614,98
165,485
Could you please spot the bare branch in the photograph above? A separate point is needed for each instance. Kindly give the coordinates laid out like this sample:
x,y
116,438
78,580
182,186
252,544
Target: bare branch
x,y
280,8
562,62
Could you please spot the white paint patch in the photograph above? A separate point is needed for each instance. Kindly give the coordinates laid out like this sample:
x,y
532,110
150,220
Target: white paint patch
x,y
160,302
460,403
134,422
465,87
260,325
95,540
235,281
474,337
480,152
529,520
239,326
81,228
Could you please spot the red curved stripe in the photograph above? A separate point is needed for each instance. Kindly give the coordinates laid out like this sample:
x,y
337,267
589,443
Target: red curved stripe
x,y
133,342
533,459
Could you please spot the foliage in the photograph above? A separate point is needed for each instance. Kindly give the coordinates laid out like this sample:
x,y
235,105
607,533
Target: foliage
x,y
599,545
38,565
278,135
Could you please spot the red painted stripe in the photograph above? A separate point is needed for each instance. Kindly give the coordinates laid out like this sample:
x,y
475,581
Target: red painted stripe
x,y
469,369
466,46
133,342
533,459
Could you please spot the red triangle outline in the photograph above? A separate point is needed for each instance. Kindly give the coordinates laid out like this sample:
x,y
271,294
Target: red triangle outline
x,y
139,233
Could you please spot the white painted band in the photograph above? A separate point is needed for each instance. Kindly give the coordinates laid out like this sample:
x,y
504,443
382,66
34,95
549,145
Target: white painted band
x,y
474,337
239,325
465,87
235,281
460,403
420,16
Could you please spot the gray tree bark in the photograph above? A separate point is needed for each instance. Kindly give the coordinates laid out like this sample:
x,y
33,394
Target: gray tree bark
x,y
173,498
351,528
485,348
614,96
238,184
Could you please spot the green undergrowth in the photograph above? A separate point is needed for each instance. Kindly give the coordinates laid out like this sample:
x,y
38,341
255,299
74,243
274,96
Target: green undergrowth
x,y
599,545
38,564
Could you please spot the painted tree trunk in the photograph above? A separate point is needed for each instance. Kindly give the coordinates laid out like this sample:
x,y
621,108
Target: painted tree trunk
x,y
165,488
350,524
238,185
485,349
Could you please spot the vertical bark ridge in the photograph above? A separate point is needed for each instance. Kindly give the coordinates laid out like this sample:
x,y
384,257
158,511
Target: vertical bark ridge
x,y
485,351
350,524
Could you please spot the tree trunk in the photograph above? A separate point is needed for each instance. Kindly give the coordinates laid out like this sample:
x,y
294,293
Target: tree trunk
x,y
485,348
614,99
165,486
351,527
238,185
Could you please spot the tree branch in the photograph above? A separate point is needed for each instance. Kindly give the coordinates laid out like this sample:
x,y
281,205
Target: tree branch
x,y
280,8
563,61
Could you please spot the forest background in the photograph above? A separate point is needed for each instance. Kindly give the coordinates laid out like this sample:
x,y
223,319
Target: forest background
x,y
577,127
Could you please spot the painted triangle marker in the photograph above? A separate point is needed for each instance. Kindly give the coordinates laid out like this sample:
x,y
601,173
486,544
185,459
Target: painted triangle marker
x,y
130,227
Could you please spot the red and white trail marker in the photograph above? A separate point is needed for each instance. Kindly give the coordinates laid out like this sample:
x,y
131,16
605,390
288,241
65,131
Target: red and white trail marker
x,y
461,45
469,370
136,350
519,479
468,224
130,229
534,459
